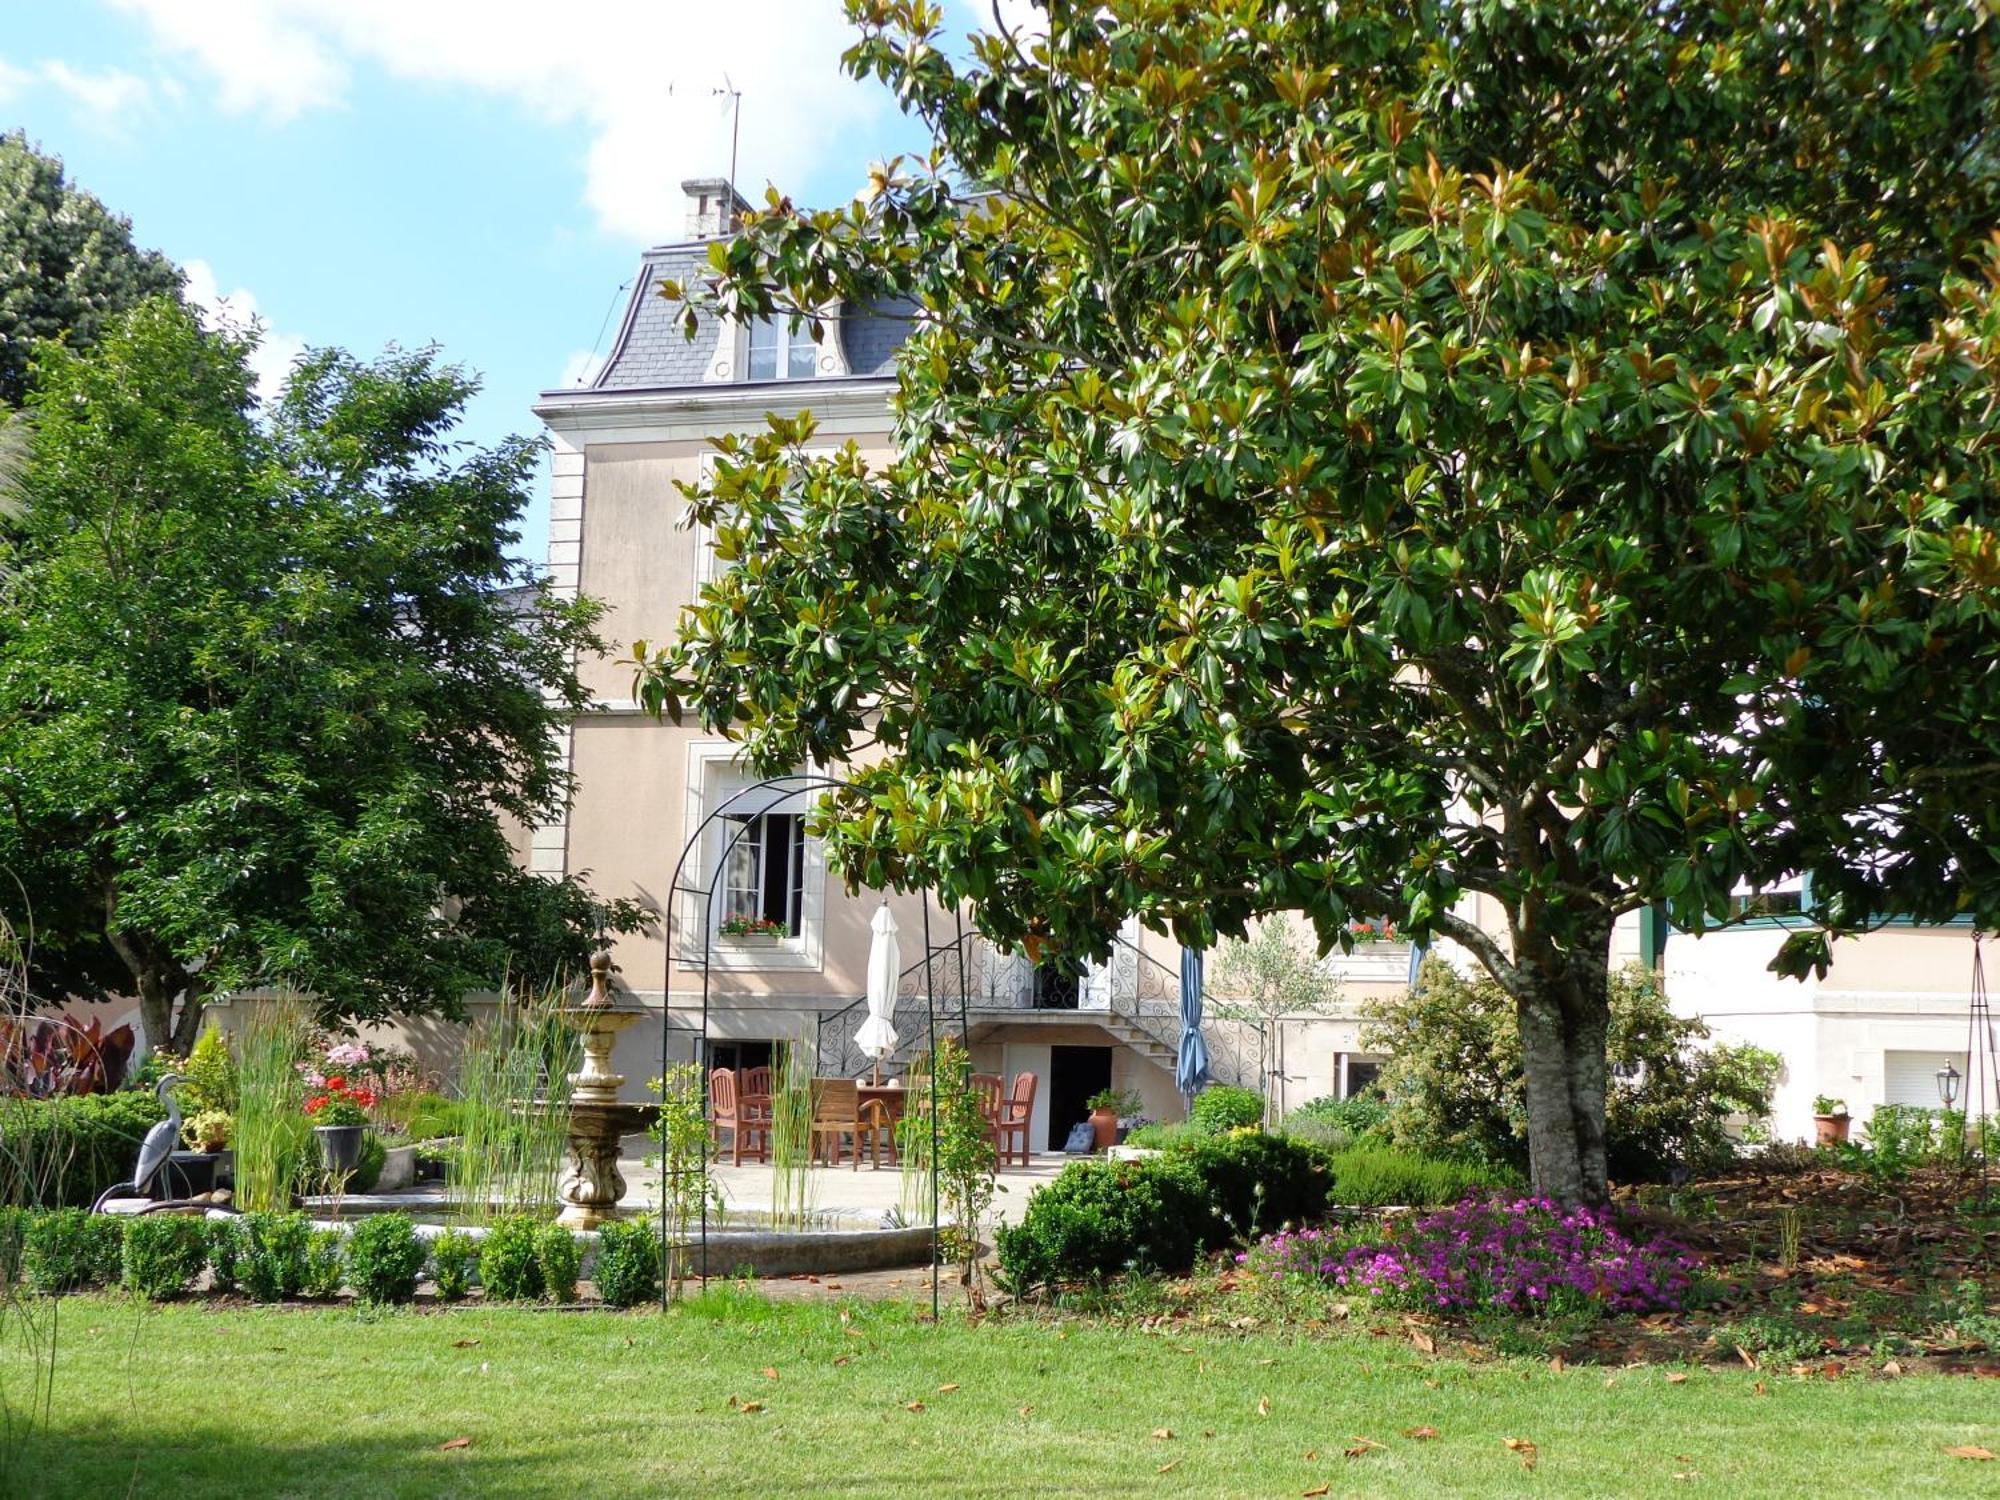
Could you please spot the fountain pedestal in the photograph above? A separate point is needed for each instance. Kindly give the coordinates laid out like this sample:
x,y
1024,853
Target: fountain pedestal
x,y
598,1120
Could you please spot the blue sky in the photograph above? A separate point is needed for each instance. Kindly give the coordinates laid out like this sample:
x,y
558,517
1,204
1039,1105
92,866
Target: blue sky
x,y
479,174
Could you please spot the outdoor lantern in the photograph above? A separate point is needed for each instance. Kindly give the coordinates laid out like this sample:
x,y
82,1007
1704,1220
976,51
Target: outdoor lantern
x,y
1947,1077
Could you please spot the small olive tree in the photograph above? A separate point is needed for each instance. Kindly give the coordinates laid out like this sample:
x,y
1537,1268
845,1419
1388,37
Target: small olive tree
x,y
1267,979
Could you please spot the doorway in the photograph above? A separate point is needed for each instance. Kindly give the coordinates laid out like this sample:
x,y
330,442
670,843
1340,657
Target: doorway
x,y
1075,1073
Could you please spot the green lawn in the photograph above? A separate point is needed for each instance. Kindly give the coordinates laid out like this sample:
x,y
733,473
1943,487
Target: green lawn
x,y
210,1401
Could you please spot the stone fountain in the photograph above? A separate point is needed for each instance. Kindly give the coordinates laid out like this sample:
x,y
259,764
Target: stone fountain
x,y
598,1119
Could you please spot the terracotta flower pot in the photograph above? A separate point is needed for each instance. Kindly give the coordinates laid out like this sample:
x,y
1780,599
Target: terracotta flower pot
x,y
1831,1129
1104,1122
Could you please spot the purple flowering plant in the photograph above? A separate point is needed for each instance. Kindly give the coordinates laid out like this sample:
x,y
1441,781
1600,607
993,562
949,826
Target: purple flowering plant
x,y
1522,1256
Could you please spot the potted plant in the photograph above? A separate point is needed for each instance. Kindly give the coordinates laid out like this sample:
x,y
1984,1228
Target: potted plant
x,y
1830,1120
751,931
1106,1106
340,1118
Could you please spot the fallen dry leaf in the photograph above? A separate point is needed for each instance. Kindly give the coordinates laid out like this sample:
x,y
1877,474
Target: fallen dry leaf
x,y
1760,1389
1168,1467
842,1359
1263,1406
1423,1341
947,1388
1558,1365
465,1343
1677,1377
1525,1448
1892,1369
1318,1489
1420,1432
459,1442
1162,1434
1362,1447
1026,1409
913,1406
1968,1450
770,1372
751,1406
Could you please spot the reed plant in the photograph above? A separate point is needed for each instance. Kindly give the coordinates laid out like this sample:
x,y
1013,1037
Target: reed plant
x,y
513,1094
792,1066
913,1145
273,1140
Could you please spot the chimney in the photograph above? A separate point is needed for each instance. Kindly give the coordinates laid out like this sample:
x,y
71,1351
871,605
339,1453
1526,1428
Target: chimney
x,y
712,207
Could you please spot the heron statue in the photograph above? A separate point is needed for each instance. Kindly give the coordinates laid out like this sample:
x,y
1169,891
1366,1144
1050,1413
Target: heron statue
x,y
154,1150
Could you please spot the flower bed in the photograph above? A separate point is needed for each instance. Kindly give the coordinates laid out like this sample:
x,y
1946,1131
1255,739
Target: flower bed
x,y
1516,1256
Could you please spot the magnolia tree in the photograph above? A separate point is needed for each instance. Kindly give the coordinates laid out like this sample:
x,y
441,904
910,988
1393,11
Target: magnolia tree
x,y
1350,459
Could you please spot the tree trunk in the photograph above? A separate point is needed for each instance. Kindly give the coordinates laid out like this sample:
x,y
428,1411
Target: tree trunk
x,y
1562,1004
159,977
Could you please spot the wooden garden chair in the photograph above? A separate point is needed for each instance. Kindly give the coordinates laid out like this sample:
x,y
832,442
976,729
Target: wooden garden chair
x,y
879,1128
753,1097
725,1112
1016,1113
836,1112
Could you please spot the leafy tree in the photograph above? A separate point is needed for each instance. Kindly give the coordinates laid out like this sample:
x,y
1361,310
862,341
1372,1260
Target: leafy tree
x,y
268,692
1262,980
1453,1076
1364,457
67,263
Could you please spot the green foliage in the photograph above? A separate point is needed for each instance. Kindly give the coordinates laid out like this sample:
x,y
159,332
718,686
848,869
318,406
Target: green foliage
x,y
325,1265
1100,1219
965,1160
68,1249
1338,1124
559,1259
1222,1106
508,1266
1352,458
385,1256
227,1245
1902,1137
208,1131
792,1065
508,1158
272,1133
276,1252
422,1116
13,1230
454,1256
1255,1183
64,1152
627,1271
1454,1078
208,1076
686,1187
1265,978
163,1255
368,1165
1158,1137
67,263
223,634
1123,1103
1383,1177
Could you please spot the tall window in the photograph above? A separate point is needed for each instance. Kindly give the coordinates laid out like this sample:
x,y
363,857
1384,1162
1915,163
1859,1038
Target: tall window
x,y
763,877
778,352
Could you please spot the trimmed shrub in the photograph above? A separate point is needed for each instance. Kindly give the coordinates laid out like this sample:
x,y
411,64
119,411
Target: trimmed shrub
x,y
1340,1124
508,1268
1383,1177
275,1252
1255,1183
1223,1106
13,1230
1162,1137
225,1253
64,1152
453,1255
560,1259
163,1255
67,1249
1101,1219
628,1263
384,1258
326,1264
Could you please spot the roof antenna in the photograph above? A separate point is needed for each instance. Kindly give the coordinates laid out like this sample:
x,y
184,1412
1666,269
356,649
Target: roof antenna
x,y
735,97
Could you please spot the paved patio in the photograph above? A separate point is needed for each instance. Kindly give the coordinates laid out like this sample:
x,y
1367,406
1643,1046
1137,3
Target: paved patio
x,y
839,1192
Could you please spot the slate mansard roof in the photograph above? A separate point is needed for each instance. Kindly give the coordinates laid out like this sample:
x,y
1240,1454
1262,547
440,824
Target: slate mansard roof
x,y
652,352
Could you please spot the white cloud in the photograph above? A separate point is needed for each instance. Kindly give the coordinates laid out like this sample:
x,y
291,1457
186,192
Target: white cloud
x,y
271,361
109,96
637,74
12,80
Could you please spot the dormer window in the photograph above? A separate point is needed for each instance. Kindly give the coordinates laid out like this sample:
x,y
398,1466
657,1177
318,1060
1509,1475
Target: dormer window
x,y
778,352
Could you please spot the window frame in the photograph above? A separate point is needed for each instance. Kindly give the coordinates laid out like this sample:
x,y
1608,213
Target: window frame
x,y
715,771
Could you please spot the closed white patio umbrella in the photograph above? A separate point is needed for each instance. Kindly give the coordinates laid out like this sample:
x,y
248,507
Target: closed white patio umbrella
x,y
877,1036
